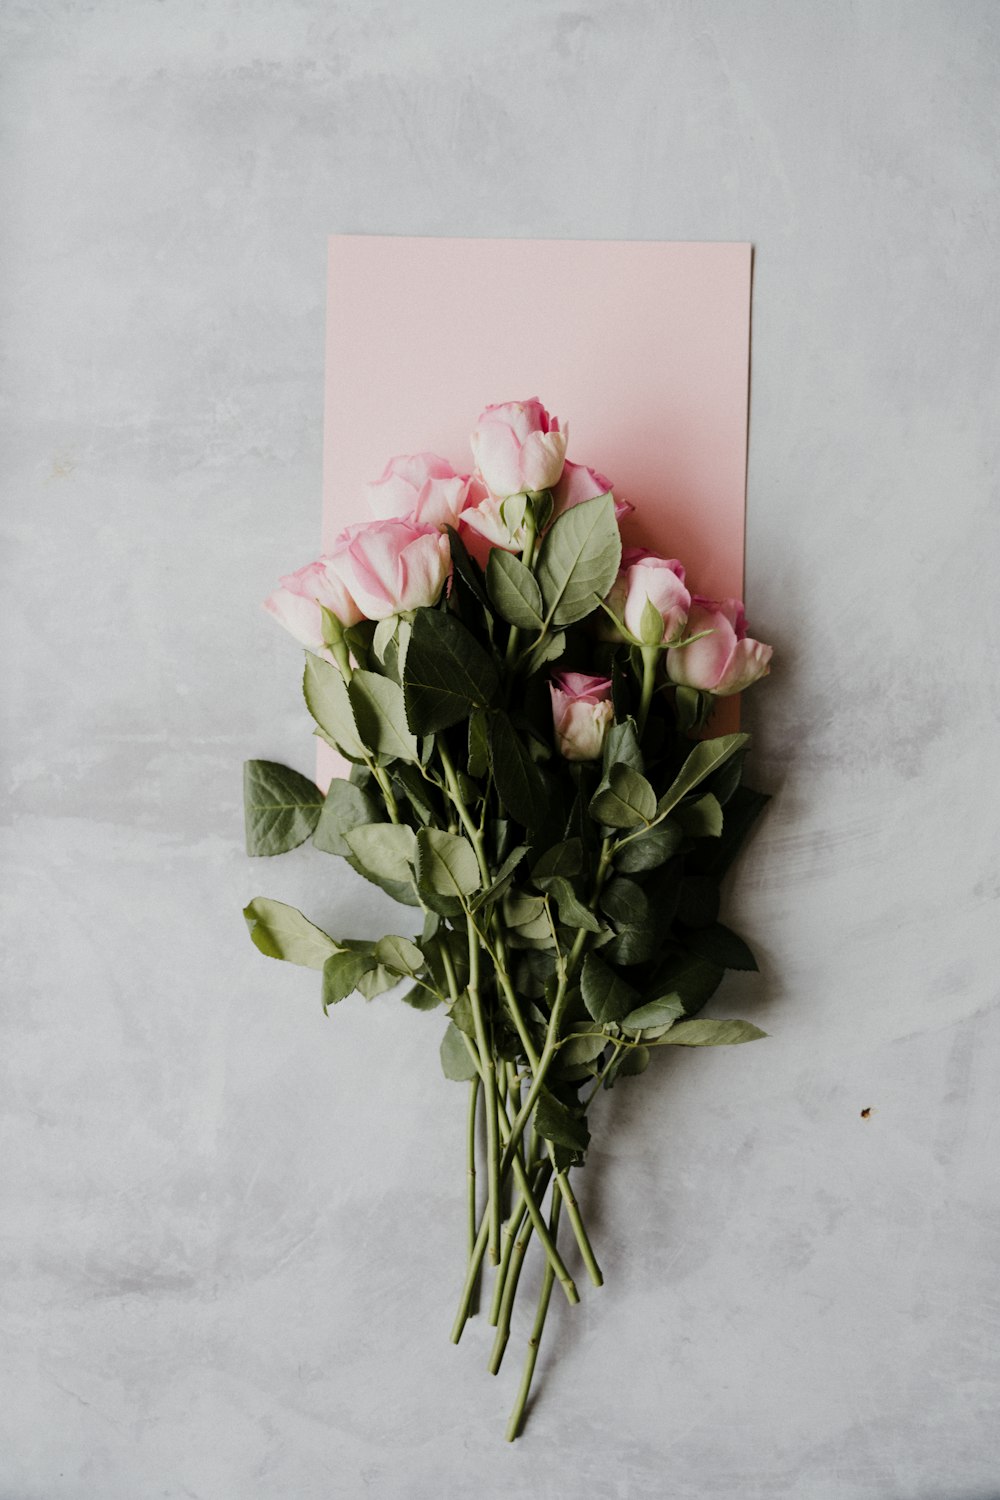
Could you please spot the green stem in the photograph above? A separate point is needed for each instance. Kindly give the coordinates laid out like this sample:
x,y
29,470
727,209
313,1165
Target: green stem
x,y
519,1213
555,1019
471,1145
467,821
552,1254
511,1281
471,1277
491,1102
544,1298
562,1177
650,659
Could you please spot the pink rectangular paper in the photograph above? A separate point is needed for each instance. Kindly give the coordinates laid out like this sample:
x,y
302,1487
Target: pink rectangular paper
x,y
642,347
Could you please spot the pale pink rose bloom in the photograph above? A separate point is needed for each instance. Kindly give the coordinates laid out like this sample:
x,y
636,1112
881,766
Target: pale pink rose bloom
x,y
581,713
421,486
643,576
482,527
391,566
296,604
578,483
725,662
518,447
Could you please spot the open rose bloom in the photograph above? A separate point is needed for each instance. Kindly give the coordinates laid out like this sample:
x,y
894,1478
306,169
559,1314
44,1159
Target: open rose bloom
x,y
721,658
523,701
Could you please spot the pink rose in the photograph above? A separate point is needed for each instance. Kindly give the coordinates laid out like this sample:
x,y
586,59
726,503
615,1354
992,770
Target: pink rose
x,y
644,576
518,447
296,604
724,662
421,486
578,483
581,713
483,527
391,566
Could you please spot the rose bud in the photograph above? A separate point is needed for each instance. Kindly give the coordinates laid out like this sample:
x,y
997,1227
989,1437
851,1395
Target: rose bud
x,y
391,566
645,579
296,604
578,483
518,447
723,662
581,713
420,486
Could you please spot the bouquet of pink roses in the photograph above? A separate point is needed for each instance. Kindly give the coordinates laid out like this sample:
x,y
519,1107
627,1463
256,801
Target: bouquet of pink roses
x,y
524,707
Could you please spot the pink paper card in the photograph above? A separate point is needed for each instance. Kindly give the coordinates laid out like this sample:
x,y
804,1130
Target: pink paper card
x,y
641,347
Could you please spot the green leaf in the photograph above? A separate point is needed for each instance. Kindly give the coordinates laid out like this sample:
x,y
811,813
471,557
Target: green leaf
x,y
376,981
697,901
468,582
650,849
705,758
701,819
625,903
447,674
519,782
621,746
728,778
559,1124
514,590
380,716
694,979
571,910
560,859
582,1045
479,743
383,849
421,998
743,809
327,700
526,917
721,946
346,807
399,955
281,807
456,1062
579,559
605,994
417,789
342,973
634,1060
502,880
625,800
710,1034
282,932
661,1012
461,1014
446,864
547,648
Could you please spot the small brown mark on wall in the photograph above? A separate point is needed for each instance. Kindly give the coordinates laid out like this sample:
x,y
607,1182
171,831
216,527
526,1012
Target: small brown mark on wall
x,y
866,1113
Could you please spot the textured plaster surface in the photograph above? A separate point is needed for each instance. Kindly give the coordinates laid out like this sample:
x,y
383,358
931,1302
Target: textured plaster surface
x,y
231,1230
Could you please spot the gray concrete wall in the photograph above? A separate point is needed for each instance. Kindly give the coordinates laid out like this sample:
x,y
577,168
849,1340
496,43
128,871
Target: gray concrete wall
x,y
231,1230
